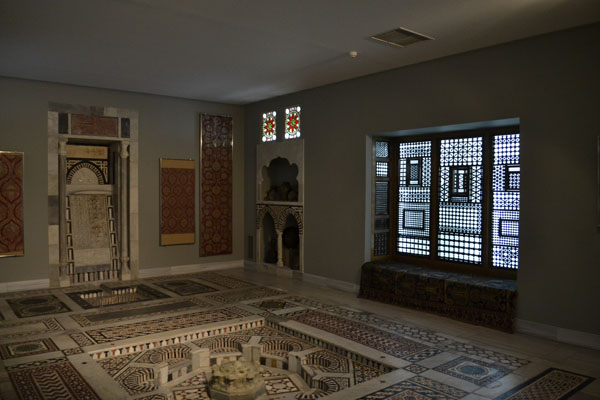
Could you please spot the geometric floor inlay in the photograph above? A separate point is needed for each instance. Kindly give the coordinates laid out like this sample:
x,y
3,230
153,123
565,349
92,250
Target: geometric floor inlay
x,y
102,317
475,371
26,348
367,335
184,287
36,306
110,296
57,379
132,330
417,388
552,384
311,342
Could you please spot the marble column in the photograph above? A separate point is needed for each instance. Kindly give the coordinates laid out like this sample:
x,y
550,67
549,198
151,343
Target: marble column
x,y
63,272
258,245
124,208
301,252
279,248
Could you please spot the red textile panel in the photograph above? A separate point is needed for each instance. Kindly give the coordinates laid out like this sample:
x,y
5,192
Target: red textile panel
x,y
216,185
11,204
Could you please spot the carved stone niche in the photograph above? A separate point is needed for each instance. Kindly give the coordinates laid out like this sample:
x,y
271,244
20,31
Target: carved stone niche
x,y
280,204
277,163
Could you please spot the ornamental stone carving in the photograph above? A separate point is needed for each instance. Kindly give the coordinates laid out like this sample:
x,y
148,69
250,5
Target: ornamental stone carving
x,y
280,215
237,380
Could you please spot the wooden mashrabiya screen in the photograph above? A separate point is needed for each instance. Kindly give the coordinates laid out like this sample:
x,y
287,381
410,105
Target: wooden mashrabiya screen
x,y
11,204
216,185
177,205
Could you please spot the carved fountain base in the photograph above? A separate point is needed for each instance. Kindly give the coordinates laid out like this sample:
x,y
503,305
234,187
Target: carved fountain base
x,y
237,380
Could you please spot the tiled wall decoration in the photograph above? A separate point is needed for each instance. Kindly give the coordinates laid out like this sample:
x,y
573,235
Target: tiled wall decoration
x,y
11,204
216,185
177,202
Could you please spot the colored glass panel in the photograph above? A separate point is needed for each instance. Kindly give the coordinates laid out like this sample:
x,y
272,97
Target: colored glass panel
x,y
292,122
269,127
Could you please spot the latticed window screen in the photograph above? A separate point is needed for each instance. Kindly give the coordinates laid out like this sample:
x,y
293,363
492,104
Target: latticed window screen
x,y
381,198
380,247
381,169
382,195
460,200
414,197
381,149
506,184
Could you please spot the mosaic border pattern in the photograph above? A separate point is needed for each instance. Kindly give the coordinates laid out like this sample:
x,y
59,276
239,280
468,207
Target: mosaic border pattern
x,y
37,306
27,348
119,332
54,379
385,342
551,384
418,387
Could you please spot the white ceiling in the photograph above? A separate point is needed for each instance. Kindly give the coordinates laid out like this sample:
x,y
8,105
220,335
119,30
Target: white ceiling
x,y
241,51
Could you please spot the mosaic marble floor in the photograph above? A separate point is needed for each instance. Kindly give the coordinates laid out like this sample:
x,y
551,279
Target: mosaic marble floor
x,y
136,340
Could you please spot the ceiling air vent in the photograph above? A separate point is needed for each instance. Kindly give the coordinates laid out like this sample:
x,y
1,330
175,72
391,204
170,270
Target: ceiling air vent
x,y
400,37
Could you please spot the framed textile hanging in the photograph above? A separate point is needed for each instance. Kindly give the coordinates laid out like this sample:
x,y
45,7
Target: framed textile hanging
x,y
177,202
216,185
11,204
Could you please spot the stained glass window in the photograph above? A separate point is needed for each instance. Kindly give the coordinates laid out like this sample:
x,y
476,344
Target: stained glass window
x,y
292,122
414,192
460,200
506,184
269,126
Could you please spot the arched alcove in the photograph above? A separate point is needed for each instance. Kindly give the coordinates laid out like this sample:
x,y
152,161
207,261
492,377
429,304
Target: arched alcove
x,y
280,180
269,239
280,193
291,243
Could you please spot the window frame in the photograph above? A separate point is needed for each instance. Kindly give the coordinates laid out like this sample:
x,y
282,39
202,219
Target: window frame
x,y
432,260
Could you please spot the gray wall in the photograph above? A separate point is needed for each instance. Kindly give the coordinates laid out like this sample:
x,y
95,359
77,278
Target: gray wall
x,y
550,82
168,127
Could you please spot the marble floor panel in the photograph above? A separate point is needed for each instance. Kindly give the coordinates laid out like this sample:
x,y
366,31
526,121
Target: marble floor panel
x,y
154,339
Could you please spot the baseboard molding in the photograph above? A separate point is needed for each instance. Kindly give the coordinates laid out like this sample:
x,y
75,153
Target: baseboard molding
x,y
558,334
24,285
332,283
187,269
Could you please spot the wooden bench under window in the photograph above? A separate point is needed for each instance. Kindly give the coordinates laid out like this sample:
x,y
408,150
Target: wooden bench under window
x,y
479,300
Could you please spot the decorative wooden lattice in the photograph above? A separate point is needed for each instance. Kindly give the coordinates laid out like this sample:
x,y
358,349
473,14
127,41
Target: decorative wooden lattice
x,y
506,184
414,197
460,200
382,193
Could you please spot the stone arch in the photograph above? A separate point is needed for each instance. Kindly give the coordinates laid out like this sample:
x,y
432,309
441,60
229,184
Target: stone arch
x,y
295,212
260,215
85,166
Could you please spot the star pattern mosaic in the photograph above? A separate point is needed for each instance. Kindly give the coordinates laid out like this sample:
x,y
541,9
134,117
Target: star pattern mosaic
x,y
42,360
478,372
